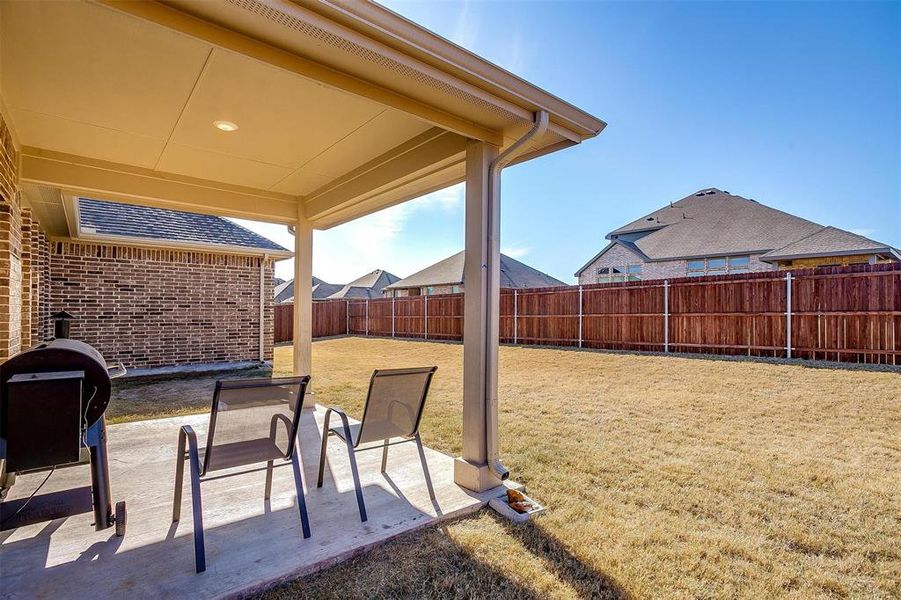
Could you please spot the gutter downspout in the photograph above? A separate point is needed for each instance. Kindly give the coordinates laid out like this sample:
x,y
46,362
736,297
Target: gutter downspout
x,y
539,127
263,306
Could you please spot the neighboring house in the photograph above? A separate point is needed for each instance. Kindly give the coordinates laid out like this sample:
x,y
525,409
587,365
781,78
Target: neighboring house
x,y
156,288
446,277
321,290
712,232
367,286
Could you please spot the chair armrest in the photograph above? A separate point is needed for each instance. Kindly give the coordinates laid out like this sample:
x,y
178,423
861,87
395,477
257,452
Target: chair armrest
x,y
273,425
344,423
186,434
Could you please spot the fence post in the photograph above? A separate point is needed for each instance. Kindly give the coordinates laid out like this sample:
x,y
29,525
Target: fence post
x,y
666,315
347,317
367,317
788,315
580,316
425,310
515,316
392,315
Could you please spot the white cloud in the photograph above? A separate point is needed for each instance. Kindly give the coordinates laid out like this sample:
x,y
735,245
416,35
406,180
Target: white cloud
x,y
516,252
466,29
351,250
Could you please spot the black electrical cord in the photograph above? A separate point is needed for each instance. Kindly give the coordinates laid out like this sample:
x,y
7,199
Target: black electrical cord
x,y
37,489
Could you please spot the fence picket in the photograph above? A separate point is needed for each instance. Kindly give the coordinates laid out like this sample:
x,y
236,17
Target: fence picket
x,y
845,313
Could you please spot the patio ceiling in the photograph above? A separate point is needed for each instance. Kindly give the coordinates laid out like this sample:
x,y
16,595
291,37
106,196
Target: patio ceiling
x,y
344,108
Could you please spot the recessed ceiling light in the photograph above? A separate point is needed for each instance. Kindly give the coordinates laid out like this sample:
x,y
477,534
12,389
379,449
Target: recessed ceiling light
x,y
225,125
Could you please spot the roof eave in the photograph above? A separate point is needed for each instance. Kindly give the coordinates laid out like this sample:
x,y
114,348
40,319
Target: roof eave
x,y
399,32
883,250
125,240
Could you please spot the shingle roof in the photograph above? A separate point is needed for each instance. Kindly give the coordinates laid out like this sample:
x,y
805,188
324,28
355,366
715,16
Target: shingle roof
x,y
828,241
104,218
367,286
449,271
712,222
321,290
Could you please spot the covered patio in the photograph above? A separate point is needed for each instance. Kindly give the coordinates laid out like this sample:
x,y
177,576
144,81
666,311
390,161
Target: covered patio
x,y
251,543
306,114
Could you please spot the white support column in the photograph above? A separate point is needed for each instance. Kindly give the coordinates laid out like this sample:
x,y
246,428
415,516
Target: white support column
x,y
367,317
393,328
303,299
666,315
788,315
481,294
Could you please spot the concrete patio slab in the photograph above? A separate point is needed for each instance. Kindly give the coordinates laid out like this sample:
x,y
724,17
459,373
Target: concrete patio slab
x,y
251,544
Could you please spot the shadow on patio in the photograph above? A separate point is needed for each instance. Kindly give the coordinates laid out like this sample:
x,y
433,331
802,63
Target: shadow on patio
x,y
250,543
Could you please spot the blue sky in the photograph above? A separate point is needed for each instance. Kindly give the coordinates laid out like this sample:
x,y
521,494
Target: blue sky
x,y
796,105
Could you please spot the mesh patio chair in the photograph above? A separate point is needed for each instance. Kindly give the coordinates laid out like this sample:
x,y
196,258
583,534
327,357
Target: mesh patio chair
x,y
252,421
393,410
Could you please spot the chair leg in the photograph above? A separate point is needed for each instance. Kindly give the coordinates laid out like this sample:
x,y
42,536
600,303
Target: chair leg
x,y
187,436
385,457
199,545
179,476
357,486
269,468
322,452
348,441
301,498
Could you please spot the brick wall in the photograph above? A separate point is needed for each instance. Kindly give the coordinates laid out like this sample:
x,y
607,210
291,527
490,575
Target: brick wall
x,y
155,307
10,247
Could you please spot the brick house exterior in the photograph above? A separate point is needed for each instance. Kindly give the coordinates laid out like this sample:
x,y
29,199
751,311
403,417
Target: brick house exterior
x,y
620,255
146,306
712,232
151,307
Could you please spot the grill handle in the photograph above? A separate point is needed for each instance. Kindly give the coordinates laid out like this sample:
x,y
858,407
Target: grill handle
x,y
117,370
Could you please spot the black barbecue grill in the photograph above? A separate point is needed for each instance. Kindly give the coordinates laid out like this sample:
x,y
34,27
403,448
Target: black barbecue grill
x,y
52,400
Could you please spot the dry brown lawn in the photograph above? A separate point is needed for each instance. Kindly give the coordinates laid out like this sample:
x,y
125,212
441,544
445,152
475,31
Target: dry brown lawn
x,y
664,476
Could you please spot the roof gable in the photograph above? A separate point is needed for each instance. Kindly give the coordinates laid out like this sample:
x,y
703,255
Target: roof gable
x,y
449,271
713,222
367,286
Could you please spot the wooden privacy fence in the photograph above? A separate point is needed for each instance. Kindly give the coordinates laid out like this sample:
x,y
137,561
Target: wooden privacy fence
x,y
850,314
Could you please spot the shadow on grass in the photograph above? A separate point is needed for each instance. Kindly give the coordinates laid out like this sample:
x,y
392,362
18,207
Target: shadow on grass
x,y
583,578
429,563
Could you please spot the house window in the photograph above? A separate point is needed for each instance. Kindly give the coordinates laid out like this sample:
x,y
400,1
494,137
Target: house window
x,y
429,291
739,264
718,266
456,289
619,273
696,268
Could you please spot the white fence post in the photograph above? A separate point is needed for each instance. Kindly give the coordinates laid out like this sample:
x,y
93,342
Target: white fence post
x,y
425,310
515,316
367,316
666,315
347,317
580,316
788,315
392,315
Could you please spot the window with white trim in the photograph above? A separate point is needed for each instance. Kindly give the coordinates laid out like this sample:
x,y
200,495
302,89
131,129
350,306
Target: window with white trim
x,y
619,273
719,265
